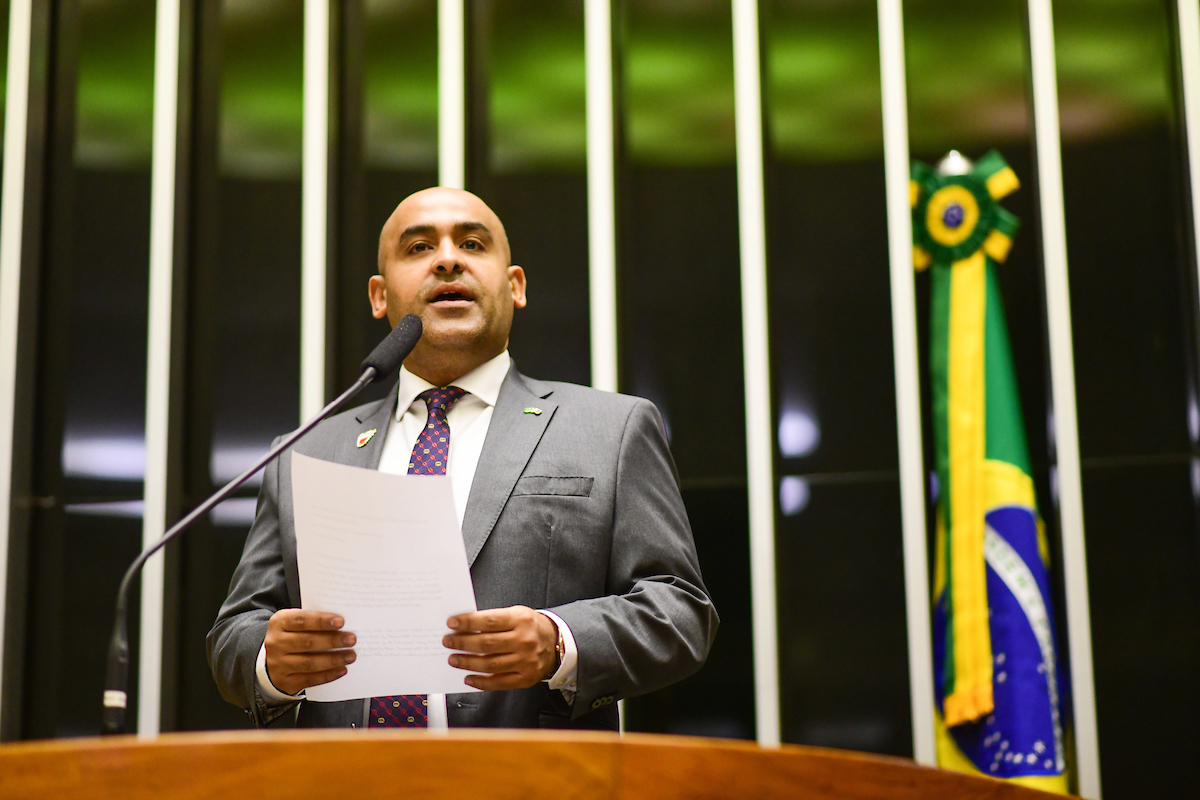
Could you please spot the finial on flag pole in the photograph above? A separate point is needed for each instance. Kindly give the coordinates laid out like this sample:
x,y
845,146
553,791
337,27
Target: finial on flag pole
x,y
954,163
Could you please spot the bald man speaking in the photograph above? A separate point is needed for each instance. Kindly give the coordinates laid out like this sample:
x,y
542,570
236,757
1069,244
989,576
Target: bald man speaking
x,y
581,556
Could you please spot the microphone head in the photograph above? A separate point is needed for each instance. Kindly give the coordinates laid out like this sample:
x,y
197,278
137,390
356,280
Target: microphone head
x,y
389,354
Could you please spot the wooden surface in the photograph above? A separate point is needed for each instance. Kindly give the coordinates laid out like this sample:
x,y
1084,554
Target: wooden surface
x,y
363,765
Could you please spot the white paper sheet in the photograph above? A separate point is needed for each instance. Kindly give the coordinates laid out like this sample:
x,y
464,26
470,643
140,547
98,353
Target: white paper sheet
x,y
386,553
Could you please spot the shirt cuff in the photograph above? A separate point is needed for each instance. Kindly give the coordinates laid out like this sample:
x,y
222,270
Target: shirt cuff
x,y
270,695
563,678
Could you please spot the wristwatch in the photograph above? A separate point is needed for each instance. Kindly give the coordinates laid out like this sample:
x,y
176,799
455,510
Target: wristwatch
x,y
560,652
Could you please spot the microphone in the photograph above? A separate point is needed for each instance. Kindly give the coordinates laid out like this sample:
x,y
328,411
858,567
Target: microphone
x,y
385,359
389,354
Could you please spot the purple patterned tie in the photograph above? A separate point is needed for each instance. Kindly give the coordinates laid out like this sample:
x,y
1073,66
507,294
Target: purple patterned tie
x,y
429,457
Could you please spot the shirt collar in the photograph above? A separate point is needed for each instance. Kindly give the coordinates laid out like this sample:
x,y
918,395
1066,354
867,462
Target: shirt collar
x,y
484,382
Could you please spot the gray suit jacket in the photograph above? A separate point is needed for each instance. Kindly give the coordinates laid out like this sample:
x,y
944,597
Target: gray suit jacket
x,y
575,510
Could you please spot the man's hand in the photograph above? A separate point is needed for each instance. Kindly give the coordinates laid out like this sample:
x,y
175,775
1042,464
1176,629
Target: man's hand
x,y
512,647
298,645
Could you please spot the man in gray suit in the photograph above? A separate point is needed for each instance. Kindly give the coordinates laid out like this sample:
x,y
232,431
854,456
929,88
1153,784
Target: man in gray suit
x,y
571,508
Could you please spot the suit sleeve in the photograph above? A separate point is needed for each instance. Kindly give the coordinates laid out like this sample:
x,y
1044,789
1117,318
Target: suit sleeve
x,y
657,622
257,591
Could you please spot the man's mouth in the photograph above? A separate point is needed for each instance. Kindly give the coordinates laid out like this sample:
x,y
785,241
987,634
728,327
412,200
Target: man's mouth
x,y
450,296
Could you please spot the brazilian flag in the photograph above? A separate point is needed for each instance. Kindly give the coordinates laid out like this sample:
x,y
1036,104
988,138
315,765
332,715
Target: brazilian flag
x,y
999,684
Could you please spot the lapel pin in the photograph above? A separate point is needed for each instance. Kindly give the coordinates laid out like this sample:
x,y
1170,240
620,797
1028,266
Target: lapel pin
x,y
532,410
365,437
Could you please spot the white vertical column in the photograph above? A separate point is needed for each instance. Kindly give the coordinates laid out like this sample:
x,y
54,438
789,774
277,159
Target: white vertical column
x,y
452,95
908,393
1189,51
752,230
314,207
158,358
601,187
602,203
12,216
1062,385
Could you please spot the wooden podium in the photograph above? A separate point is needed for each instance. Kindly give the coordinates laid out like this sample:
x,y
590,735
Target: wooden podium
x,y
364,765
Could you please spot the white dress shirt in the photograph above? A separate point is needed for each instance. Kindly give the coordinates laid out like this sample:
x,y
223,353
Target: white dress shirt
x,y
468,419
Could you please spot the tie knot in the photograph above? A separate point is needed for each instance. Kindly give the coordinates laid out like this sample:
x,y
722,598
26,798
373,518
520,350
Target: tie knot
x,y
441,399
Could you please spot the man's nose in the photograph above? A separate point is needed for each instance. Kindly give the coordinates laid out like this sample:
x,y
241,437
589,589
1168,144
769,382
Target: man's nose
x,y
447,258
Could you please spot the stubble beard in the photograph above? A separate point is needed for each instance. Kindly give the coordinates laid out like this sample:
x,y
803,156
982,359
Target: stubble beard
x,y
450,348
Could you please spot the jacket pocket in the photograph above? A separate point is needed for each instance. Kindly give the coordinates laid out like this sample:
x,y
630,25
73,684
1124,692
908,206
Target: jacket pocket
x,y
555,486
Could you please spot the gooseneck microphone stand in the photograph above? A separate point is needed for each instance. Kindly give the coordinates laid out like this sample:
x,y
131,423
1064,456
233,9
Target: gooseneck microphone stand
x,y
384,360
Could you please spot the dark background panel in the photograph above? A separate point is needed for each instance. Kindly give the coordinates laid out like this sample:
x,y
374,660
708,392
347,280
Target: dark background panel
x,y
72,591
545,217
103,279
718,700
386,149
679,290
1134,320
250,375
210,554
526,157
680,346
88,394
843,653
831,313
1143,557
829,293
1129,299
255,301
679,315
840,576
241,359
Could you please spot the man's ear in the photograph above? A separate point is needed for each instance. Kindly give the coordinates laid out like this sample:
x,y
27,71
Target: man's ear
x,y
516,278
377,294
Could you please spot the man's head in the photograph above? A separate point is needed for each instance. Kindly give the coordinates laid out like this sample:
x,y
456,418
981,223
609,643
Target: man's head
x,y
443,255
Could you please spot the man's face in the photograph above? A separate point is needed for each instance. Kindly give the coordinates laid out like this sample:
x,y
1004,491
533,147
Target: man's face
x,y
443,255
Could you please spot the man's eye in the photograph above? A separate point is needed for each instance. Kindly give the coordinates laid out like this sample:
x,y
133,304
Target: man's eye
x,y
471,244
420,247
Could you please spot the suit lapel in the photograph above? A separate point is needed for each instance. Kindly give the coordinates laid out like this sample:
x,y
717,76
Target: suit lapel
x,y
511,439
373,416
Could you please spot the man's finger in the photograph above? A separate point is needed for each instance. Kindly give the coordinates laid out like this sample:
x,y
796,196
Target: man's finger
x,y
314,642
481,642
492,620
282,643
297,620
490,664
301,663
